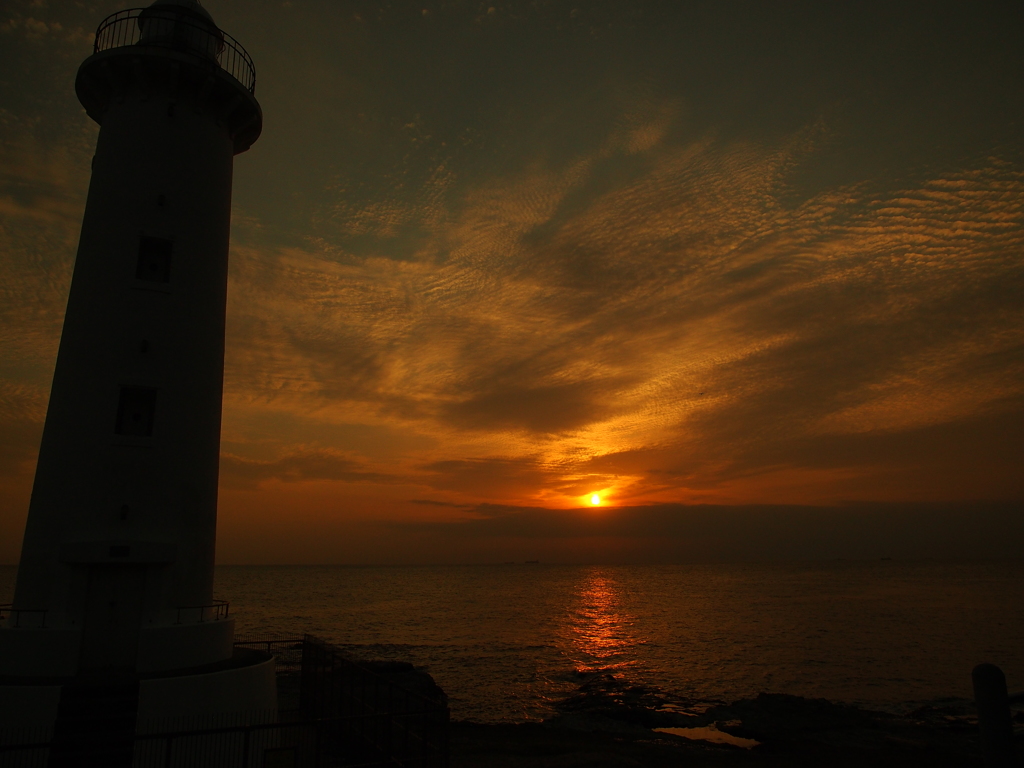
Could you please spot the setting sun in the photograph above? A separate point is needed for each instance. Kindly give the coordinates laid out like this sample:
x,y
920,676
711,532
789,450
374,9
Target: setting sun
x,y
595,499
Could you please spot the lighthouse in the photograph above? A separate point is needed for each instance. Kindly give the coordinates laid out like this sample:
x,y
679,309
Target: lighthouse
x,y
114,592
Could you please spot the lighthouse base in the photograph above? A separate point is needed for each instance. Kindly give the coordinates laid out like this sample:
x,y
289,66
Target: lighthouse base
x,y
66,714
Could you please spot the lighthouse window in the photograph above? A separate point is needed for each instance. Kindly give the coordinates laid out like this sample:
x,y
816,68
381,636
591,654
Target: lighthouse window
x,y
135,411
154,260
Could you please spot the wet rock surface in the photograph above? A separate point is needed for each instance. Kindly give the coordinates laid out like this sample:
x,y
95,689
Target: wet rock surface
x,y
610,722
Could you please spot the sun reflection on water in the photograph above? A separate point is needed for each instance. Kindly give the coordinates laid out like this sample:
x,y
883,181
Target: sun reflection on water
x,y
601,634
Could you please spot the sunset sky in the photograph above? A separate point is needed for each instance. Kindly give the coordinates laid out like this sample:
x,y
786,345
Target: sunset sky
x,y
750,272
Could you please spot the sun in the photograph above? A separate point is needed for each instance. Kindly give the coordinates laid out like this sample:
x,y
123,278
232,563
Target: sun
x,y
595,499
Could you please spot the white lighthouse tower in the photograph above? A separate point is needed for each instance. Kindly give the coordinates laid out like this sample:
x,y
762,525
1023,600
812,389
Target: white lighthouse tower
x,y
115,581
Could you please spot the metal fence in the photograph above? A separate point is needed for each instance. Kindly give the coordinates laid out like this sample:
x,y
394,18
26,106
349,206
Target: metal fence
x,y
169,28
25,747
299,744
238,745
346,715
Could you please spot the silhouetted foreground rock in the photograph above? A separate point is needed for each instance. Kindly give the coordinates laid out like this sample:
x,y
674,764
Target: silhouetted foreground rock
x,y
405,675
609,723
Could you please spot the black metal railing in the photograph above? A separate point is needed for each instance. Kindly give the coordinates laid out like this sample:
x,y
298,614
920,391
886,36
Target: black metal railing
x,y
25,747
169,28
34,618
215,611
259,744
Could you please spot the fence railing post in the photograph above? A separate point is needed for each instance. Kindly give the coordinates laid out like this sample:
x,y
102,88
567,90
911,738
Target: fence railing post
x,y
994,720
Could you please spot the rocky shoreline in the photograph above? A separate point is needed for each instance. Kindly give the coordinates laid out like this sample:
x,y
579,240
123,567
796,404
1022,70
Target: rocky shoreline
x,y
609,723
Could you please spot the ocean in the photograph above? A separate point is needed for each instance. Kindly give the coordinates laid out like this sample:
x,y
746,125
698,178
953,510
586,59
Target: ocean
x,y
507,641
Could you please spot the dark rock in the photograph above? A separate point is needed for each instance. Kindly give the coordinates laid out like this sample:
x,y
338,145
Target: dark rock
x,y
405,675
606,696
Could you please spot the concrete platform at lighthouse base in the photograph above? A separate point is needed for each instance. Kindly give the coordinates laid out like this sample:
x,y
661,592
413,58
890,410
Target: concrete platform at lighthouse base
x,y
245,683
240,689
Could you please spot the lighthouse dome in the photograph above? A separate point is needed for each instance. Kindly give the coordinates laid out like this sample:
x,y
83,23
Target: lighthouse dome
x,y
181,24
192,7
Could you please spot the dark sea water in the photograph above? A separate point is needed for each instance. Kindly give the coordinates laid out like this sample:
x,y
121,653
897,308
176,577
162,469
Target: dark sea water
x,y
506,641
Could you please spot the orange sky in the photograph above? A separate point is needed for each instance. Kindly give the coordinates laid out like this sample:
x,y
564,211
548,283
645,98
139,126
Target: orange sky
x,y
515,254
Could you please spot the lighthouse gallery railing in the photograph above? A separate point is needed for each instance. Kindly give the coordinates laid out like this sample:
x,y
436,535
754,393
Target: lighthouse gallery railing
x,y
122,29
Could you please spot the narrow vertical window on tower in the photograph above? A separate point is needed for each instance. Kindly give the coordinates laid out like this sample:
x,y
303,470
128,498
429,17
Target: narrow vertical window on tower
x,y
135,411
154,264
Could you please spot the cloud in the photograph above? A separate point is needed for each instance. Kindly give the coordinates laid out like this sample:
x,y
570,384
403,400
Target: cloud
x,y
433,503
302,465
31,27
35,30
503,286
553,409
22,409
683,295
518,477
490,476
673,301
709,533
42,195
